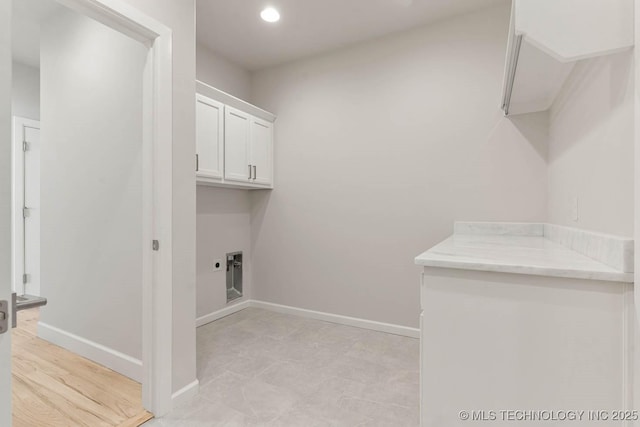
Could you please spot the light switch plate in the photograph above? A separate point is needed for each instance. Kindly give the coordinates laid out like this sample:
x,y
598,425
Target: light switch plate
x,y
217,265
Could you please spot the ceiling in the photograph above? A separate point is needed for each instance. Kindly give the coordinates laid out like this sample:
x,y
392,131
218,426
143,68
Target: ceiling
x,y
28,16
234,29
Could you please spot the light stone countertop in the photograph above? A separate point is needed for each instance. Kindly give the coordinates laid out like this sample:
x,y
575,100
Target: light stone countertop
x,y
528,249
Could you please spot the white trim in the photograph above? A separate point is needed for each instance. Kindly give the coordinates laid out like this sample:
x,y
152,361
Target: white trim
x,y
17,248
157,176
216,315
157,327
388,328
342,320
105,356
186,393
216,94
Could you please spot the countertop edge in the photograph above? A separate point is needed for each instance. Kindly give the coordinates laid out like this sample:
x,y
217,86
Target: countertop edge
x,y
528,270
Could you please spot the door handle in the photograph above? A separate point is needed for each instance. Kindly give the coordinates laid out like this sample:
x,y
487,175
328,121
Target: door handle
x,y
255,173
25,302
249,172
4,317
197,163
14,310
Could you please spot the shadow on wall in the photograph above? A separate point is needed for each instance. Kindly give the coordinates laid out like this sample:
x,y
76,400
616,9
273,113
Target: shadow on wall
x,y
259,204
594,96
535,129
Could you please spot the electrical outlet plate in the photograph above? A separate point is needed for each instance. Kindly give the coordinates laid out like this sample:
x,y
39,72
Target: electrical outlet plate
x,y
217,265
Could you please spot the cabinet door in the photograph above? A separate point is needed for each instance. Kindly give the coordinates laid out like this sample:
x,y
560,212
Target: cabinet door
x,y
236,140
261,151
209,137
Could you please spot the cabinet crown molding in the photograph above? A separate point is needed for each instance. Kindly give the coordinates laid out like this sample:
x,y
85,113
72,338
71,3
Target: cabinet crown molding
x,y
230,100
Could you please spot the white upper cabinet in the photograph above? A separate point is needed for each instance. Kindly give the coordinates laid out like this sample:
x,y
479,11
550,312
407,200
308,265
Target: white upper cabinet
x,y
234,141
261,151
547,37
209,138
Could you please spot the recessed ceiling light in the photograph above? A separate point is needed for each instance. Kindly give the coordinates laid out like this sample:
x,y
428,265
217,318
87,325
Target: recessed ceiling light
x,y
270,15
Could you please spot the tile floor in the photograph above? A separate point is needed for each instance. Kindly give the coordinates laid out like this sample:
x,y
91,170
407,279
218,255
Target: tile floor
x,y
260,368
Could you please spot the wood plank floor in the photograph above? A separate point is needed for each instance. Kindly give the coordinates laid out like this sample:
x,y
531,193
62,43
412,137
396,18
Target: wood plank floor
x,y
53,387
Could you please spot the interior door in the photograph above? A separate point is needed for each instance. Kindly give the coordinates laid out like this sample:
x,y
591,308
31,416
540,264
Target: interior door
x,y
5,206
261,148
209,137
31,208
236,145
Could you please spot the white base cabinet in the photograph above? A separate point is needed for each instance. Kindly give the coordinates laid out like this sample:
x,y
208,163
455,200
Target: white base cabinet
x,y
234,142
496,343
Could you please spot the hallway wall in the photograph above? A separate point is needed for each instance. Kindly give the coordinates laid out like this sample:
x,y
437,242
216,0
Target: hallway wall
x,y
25,94
91,189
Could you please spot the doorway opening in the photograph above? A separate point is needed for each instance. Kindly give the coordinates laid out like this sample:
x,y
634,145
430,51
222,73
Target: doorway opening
x,y
26,191
87,205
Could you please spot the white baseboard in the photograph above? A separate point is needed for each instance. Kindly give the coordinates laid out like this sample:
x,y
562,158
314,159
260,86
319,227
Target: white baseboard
x,y
317,315
342,320
200,321
185,393
105,356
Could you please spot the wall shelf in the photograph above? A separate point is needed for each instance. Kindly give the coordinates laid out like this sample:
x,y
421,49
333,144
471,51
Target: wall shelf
x,y
234,141
547,38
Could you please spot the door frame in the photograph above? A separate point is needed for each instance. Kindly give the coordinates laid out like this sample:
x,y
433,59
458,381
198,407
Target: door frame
x,y
17,223
157,197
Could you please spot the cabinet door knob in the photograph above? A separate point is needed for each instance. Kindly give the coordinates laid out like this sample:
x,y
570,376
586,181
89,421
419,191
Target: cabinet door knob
x,y
255,174
249,172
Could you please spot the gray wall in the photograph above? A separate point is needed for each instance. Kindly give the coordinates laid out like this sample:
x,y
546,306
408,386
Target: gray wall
x,y
25,95
91,195
223,215
224,225
222,74
591,147
379,149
